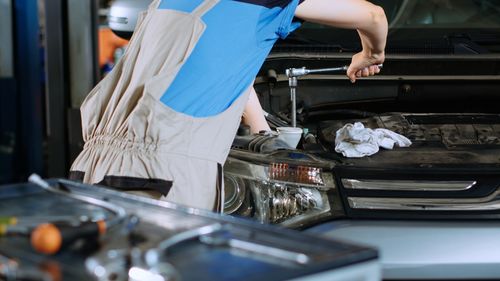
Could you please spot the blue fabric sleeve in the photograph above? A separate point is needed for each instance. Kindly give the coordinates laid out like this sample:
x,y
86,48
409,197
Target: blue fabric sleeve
x,y
287,21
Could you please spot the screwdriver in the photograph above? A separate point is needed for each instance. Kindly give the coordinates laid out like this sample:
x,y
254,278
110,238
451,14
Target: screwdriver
x,y
49,238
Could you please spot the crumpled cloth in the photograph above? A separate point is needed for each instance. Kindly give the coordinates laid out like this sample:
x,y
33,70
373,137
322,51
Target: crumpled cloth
x,y
358,141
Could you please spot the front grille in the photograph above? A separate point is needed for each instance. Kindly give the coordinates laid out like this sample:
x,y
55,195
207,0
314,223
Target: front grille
x,y
487,203
434,197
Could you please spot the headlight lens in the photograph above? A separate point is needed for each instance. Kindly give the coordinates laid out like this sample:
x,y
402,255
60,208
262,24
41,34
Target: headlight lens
x,y
291,195
234,194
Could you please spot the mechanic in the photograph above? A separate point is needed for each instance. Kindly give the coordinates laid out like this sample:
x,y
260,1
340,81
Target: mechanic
x,y
162,122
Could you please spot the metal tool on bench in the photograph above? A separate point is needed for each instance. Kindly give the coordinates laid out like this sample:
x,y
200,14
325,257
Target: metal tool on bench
x,y
293,73
222,235
123,259
49,238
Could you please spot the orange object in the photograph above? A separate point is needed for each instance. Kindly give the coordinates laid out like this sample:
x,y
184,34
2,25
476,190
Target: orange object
x,y
46,239
101,225
108,43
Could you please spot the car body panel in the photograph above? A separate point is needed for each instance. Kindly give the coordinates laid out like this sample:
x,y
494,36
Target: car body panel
x,y
425,249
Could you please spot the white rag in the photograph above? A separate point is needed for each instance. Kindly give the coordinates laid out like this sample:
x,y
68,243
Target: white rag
x,y
358,141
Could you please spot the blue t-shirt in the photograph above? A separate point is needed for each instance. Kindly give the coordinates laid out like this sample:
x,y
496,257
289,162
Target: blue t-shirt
x,y
238,37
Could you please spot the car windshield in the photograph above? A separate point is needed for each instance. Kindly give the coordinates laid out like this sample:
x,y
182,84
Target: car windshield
x,y
416,26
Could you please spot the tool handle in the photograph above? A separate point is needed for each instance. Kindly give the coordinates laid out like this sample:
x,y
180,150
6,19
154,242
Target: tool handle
x,y
49,238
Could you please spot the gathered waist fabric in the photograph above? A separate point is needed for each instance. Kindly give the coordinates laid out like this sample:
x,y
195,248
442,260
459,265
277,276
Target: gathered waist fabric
x,y
156,139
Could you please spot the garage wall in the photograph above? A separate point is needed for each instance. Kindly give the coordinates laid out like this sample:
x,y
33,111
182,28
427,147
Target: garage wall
x,y
6,61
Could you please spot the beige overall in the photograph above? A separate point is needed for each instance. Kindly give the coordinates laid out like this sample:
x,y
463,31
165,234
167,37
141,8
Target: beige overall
x,y
130,135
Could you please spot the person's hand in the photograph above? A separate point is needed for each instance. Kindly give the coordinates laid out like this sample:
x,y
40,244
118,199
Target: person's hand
x,y
364,65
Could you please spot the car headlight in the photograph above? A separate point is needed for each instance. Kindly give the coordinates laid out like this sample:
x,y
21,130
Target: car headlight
x,y
278,193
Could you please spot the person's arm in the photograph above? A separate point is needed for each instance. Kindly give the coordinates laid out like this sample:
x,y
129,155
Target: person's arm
x,y
253,115
368,19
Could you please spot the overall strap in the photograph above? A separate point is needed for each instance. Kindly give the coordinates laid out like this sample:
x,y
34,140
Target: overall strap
x,y
154,5
204,7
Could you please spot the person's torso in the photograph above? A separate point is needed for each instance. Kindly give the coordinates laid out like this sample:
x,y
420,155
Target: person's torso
x,y
224,62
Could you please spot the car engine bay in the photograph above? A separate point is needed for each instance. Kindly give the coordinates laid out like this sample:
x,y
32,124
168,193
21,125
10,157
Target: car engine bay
x,y
450,116
451,113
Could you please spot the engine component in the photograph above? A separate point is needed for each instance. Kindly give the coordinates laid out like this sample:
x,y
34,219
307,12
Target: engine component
x,y
262,143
